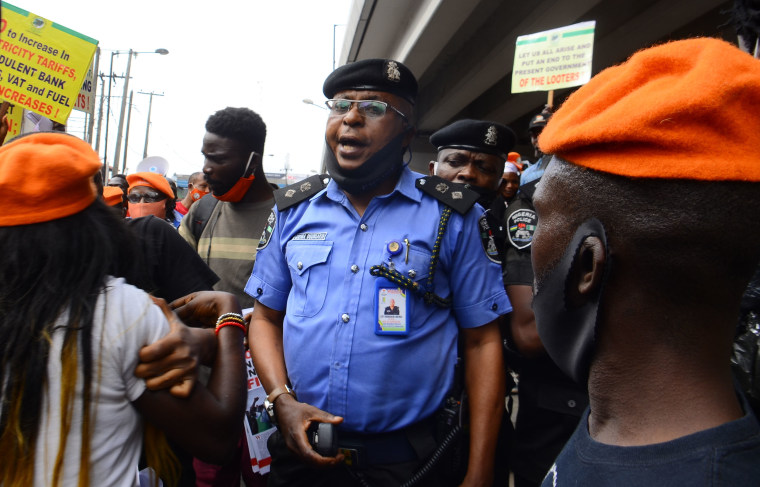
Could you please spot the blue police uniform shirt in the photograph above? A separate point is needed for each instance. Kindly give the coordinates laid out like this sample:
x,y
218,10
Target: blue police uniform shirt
x,y
534,171
316,266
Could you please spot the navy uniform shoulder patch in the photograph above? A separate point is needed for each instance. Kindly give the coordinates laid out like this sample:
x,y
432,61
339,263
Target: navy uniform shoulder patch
x,y
455,195
300,191
488,240
266,235
521,224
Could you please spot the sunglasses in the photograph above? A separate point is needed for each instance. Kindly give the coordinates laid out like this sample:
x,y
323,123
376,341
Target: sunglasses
x,y
367,108
146,197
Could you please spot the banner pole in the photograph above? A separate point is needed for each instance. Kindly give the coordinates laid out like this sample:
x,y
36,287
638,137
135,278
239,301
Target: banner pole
x,y
550,99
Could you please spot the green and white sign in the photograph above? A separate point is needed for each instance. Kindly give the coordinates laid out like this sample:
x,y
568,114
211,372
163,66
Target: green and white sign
x,y
554,59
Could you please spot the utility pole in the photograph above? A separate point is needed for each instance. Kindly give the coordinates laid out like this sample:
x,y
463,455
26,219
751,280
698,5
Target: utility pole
x,y
126,138
120,130
147,127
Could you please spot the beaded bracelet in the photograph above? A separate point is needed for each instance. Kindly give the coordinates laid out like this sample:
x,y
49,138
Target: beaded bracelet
x,y
221,325
231,317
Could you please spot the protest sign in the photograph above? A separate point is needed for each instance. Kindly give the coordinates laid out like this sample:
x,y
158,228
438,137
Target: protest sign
x,y
14,116
554,59
42,64
86,97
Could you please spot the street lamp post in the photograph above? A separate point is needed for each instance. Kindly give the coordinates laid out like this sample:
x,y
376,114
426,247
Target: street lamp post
x,y
120,130
309,101
147,127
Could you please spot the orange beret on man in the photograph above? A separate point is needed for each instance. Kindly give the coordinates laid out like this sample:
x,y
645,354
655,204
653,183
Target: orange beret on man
x,y
45,176
680,110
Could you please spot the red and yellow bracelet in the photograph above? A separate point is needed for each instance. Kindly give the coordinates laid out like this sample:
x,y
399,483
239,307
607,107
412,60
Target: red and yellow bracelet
x,y
230,319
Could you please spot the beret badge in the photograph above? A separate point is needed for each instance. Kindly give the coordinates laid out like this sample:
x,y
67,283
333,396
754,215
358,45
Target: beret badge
x,y
392,72
491,136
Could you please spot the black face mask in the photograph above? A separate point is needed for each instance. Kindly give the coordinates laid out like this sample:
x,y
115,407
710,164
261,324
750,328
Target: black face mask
x,y
486,196
385,163
568,335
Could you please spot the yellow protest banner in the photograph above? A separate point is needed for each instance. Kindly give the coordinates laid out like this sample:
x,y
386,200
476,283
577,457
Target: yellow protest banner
x,y
42,64
13,116
553,59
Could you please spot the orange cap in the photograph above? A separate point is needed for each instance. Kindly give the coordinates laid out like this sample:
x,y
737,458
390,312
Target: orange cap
x,y
683,110
113,195
45,176
151,180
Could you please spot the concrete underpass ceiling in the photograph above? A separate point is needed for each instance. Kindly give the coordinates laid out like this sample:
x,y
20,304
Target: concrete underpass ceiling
x,y
462,51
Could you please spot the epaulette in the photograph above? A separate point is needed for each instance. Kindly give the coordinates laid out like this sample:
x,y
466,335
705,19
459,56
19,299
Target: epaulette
x,y
295,193
455,195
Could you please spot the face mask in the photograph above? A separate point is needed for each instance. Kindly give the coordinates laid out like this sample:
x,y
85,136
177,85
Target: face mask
x,y
136,210
486,196
197,194
568,334
384,164
241,187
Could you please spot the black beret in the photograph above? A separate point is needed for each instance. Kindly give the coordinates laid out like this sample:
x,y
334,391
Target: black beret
x,y
373,75
475,135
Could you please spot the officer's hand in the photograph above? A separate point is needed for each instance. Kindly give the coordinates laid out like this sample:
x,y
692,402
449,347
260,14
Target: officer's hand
x,y
172,362
293,419
203,308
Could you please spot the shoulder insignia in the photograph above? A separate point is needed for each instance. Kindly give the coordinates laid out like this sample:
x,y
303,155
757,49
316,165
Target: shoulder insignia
x,y
300,191
268,230
488,240
455,195
521,224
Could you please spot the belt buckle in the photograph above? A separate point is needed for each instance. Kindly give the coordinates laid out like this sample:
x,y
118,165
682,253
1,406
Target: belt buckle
x,y
353,457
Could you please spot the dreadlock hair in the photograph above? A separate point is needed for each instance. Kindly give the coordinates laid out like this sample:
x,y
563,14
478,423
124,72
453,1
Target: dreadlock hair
x,y
53,272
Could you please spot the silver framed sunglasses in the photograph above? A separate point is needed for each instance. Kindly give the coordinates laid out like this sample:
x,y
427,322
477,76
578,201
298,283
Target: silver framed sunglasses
x,y
367,108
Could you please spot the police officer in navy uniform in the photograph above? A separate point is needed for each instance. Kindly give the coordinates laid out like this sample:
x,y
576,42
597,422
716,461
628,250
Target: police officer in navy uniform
x,y
334,254
473,152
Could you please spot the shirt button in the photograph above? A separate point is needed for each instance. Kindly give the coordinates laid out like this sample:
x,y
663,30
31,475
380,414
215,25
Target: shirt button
x,y
354,268
571,403
495,307
299,265
259,291
345,317
412,273
364,227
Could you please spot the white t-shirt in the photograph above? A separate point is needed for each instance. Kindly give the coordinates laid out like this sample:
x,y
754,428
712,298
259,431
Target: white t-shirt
x,y
125,320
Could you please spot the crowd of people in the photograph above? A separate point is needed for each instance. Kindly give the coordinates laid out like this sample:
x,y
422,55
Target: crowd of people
x,y
389,313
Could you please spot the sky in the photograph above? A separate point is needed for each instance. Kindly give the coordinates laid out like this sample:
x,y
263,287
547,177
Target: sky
x,y
267,55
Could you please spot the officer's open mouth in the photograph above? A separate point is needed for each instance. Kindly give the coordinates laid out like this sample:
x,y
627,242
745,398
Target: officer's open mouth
x,y
350,142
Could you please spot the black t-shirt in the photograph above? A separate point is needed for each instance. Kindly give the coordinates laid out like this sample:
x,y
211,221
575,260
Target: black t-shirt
x,y
172,268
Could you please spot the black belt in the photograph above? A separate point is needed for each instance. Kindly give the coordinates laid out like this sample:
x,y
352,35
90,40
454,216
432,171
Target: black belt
x,y
408,444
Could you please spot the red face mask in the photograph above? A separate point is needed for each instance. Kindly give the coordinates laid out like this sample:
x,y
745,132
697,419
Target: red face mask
x,y
197,194
241,187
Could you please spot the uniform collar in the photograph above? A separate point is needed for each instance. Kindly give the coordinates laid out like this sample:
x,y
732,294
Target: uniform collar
x,y
405,186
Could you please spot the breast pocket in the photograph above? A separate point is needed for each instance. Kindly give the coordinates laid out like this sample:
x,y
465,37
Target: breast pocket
x,y
310,271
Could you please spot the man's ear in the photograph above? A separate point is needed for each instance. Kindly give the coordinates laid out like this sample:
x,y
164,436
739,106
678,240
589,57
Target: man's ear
x,y
586,272
431,168
254,164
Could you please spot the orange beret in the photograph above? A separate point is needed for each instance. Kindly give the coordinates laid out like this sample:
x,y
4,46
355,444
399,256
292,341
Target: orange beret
x,y
151,180
45,176
683,110
113,195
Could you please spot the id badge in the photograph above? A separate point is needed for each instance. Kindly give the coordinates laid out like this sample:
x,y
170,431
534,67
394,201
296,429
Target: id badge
x,y
391,309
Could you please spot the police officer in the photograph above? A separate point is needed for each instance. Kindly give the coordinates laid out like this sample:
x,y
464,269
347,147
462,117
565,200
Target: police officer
x,y
474,152
533,173
332,258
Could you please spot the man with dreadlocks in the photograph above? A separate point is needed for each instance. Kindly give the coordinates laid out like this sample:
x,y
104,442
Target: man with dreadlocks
x,y
72,408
